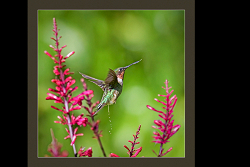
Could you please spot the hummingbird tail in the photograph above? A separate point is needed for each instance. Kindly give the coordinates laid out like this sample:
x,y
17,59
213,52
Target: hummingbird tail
x,y
99,107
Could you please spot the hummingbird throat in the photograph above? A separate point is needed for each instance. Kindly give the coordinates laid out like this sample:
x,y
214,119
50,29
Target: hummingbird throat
x,y
120,81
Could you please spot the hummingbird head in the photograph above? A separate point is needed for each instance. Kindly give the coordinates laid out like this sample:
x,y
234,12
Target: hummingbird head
x,y
121,70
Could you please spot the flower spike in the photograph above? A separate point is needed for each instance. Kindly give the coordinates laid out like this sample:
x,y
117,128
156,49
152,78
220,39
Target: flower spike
x,y
63,91
165,126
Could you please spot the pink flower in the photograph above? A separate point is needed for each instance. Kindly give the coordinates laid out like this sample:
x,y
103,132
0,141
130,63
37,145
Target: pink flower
x,y
137,152
83,153
113,155
74,135
166,126
79,120
63,121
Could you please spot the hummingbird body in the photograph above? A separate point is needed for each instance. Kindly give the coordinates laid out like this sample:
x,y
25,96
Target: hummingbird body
x,y
112,86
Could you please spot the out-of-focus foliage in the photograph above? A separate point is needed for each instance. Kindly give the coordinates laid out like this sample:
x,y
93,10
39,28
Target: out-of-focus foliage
x,y
104,39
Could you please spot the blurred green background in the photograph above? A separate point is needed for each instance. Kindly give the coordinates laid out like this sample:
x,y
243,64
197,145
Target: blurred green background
x,y
104,39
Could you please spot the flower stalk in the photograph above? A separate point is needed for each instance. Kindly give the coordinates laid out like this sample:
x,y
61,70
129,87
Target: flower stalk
x,y
94,124
64,91
132,150
166,126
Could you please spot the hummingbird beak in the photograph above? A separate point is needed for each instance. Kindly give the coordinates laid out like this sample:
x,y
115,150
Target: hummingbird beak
x,y
131,64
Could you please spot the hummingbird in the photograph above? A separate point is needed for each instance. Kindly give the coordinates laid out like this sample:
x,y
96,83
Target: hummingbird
x,y
112,86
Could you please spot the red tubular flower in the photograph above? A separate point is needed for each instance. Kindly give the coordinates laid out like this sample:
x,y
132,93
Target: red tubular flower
x,y
166,126
79,120
70,54
113,155
137,152
74,135
63,121
83,153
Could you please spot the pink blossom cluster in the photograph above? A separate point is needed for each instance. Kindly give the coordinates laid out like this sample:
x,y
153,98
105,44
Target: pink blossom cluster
x,y
87,153
63,92
166,127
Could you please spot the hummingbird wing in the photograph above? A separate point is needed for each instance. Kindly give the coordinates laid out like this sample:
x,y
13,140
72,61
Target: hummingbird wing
x,y
111,78
98,82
